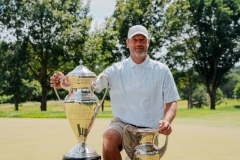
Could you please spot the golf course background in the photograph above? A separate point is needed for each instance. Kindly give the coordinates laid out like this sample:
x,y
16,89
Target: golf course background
x,y
198,134
228,111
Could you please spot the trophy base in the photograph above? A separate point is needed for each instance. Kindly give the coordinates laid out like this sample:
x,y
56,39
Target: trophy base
x,y
81,152
90,158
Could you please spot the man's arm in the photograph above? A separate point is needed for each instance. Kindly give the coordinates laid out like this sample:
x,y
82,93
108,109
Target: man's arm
x,y
169,114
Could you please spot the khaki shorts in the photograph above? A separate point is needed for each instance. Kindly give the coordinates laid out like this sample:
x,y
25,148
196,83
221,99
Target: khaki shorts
x,y
118,125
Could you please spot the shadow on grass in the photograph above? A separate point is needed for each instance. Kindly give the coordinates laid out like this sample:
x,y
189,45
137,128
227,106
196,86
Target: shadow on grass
x,y
237,106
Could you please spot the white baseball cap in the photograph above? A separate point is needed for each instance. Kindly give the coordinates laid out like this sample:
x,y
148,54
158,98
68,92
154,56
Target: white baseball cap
x,y
137,29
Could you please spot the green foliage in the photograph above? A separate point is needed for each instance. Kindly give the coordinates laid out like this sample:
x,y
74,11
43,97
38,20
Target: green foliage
x,y
236,70
200,97
187,81
30,91
99,50
14,67
14,71
5,99
61,92
219,96
229,83
33,114
15,81
237,90
148,13
50,34
208,39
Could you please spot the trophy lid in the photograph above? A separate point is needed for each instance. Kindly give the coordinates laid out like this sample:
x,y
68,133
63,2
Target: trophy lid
x,y
81,71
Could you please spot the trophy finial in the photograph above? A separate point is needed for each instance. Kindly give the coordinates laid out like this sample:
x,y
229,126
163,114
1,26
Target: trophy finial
x,y
81,62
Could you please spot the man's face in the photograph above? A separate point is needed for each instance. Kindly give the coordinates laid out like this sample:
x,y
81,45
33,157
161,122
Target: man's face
x,y
138,45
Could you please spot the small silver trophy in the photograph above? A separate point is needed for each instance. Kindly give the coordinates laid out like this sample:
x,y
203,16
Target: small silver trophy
x,y
141,143
81,107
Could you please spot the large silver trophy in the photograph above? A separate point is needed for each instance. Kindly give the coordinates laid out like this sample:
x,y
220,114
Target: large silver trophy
x,y
142,143
81,107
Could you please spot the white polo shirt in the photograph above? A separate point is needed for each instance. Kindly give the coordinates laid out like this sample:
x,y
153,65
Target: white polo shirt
x,y
138,92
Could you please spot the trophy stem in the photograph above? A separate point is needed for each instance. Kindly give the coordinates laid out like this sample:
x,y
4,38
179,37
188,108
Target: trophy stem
x,y
81,152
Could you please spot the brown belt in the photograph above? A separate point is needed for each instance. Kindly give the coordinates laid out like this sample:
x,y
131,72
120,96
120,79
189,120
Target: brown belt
x,y
137,126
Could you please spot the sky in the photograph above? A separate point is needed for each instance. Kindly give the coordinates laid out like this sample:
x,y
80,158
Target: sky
x,y
100,9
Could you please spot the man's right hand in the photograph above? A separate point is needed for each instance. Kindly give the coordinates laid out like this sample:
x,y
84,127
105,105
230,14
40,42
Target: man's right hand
x,y
55,80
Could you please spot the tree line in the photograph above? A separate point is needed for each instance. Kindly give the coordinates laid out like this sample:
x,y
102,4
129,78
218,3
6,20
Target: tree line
x,y
198,39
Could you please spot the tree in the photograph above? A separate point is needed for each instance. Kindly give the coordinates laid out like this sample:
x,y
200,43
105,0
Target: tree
x,y
209,35
99,49
148,13
54,33
99,52
228,84
187,81
13,71
236,70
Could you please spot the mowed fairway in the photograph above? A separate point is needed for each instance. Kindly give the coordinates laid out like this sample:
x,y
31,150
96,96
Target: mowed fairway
x,y
49,139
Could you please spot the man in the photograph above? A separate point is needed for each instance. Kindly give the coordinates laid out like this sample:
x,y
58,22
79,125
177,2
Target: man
x,y
143,93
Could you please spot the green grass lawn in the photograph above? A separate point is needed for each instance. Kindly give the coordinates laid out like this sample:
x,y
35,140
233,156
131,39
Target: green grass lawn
x,y
54,110
229,111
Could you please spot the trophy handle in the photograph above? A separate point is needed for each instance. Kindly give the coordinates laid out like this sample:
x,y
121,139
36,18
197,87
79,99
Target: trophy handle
x,y
59,97
164,148
129,146
94,88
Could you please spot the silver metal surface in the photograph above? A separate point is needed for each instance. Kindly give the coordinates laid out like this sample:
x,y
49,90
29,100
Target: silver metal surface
x,y
81,107
81,150
142,143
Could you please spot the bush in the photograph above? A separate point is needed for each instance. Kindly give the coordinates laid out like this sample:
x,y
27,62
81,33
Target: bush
x,y
237,90
5,99
200,97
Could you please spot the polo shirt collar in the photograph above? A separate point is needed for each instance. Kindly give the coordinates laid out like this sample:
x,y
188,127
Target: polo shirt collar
x,y
144,64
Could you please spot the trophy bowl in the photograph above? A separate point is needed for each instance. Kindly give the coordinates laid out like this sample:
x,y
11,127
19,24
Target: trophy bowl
x,y
142,143
81,107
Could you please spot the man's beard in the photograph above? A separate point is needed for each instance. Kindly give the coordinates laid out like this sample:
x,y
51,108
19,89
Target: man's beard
x,y
140,54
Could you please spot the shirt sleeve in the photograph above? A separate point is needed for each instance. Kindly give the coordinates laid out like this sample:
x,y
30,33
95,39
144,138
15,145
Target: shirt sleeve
x,y
104,79
111,74
170,92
